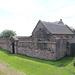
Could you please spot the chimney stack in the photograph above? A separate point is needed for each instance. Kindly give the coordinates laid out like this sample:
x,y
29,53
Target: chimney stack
x,y
60,20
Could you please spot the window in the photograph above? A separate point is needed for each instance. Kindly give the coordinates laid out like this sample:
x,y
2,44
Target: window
x,y
39,28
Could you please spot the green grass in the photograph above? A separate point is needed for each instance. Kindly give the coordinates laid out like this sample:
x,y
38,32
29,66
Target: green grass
x,y
35,66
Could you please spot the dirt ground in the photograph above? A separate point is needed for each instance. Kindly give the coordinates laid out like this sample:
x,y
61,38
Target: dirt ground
x,y
5,70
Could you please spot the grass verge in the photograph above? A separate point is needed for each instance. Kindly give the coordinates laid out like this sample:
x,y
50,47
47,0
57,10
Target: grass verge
x,y
35,66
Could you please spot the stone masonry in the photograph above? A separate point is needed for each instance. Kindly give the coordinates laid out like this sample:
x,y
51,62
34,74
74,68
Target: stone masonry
x,y
45,42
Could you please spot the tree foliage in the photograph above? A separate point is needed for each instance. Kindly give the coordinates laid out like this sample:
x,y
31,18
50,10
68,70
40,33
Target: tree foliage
x,y
7,34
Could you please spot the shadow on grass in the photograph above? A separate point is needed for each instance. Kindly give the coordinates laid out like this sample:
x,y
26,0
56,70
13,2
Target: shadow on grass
x,y
59,63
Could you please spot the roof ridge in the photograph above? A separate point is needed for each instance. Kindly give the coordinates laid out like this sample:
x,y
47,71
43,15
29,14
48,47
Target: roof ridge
x,y
53,23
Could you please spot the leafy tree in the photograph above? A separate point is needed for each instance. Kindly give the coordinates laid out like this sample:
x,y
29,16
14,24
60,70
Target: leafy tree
x,y
7,34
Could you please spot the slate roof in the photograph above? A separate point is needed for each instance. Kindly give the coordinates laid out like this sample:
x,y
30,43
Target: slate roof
x,y
14,38
55,28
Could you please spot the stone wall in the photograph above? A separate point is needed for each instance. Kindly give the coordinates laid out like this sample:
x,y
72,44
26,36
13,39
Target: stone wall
x,y
25,38
42,49
70,41
5,44
28,49
56,36
40,33
61,48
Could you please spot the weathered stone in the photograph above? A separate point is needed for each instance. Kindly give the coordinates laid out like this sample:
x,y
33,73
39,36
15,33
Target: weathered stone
x,y
42,44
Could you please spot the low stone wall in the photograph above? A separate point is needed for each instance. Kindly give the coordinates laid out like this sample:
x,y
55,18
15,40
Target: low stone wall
x,y
5,44
27,48
50,51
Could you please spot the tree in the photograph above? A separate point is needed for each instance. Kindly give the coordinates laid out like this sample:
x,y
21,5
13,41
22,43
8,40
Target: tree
x,y
7,34
72,29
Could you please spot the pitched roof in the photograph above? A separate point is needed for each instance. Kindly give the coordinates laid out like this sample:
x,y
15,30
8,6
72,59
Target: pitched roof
x,y
55,28
14,38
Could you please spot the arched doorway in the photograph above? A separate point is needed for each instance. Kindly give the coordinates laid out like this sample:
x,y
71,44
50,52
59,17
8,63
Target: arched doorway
x,y
13,48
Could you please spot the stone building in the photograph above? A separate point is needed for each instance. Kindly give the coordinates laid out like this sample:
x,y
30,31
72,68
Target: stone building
x,y
56,33
49,40
49,31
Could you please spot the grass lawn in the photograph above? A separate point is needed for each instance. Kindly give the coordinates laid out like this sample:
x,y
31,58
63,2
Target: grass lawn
x,y
34,66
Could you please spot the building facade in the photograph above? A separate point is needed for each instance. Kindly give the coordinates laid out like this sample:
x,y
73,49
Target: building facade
x,y
49,40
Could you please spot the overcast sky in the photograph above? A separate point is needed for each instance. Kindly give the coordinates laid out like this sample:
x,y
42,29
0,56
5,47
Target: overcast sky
x,y
23,15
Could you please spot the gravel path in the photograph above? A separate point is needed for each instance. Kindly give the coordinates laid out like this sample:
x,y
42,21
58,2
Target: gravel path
x,y
5,70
